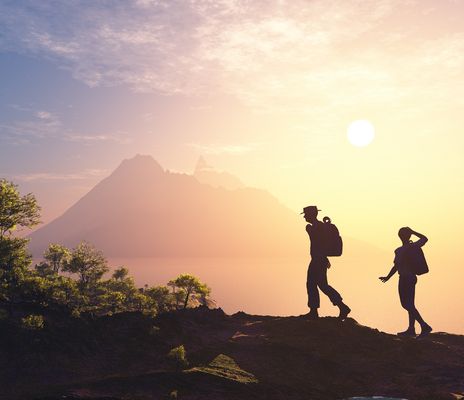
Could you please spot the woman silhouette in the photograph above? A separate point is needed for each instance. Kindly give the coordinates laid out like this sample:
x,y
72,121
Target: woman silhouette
x,y
408,280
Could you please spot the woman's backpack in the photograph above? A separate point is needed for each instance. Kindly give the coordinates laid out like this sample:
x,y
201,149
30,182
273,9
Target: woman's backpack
x,y
415,260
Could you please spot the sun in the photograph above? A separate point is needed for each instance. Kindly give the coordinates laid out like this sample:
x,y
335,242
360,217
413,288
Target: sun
x,y
360,133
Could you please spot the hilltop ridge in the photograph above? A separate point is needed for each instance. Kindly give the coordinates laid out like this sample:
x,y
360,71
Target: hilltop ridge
x,y
229,357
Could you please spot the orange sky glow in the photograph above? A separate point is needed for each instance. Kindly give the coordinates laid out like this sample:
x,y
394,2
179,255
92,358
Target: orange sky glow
x,y
265,91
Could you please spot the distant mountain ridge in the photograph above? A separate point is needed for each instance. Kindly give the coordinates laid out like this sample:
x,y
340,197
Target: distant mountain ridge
x,y
205,173
141,210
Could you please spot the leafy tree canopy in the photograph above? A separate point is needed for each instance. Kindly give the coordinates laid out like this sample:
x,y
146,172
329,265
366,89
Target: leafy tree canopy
x,y
193,290
16,210
120,273
45,286
22,211
87,262
57,256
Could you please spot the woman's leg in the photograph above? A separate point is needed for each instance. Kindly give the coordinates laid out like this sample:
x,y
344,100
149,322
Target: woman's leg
x,y
406,290
418,317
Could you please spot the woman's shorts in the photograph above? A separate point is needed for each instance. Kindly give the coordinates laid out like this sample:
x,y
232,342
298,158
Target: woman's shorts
x,y
407,290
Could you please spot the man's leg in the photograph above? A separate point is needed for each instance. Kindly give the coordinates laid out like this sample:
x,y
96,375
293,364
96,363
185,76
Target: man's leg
x,y
311,288
332,294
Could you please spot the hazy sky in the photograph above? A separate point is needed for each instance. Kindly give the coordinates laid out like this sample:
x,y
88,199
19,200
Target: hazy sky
x,y
262,89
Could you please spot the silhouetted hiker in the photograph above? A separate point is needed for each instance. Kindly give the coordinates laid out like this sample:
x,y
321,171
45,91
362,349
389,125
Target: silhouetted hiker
x,y
317,270
409,262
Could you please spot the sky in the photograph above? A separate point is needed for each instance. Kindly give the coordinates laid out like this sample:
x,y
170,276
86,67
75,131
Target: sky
x,y
262,89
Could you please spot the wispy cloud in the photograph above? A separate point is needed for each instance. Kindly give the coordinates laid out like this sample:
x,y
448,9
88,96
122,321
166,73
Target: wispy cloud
x,y
45,115
89,139
40,125
288,56
229,149
53,176
45,124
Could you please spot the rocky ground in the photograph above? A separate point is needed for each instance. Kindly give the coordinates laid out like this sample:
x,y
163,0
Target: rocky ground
x,y
229,357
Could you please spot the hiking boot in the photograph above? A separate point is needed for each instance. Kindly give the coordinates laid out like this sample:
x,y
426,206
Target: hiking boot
x,y
344,311
407,333
426,329
313,314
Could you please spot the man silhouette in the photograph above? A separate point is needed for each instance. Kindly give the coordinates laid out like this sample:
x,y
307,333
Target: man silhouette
x,y
408,280
317,270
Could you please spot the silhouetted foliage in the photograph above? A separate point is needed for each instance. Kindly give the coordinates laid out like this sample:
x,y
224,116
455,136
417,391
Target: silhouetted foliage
x,y
33,322
188,288
73,279
120,273
160,298
178,357
57,256
92,294
15,211
88,263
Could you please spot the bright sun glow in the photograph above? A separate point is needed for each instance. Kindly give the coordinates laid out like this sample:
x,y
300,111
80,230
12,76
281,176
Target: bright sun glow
x,y
360,133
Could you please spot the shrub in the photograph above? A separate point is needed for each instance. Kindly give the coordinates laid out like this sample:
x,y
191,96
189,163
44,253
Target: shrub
x,y
178,357
33,322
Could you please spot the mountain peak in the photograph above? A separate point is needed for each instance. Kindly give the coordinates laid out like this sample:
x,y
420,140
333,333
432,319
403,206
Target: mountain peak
x,y
202,165
143,160
143,166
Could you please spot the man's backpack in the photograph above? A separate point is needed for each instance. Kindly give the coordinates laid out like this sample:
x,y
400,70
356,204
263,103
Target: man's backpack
x,y
333,243
415,259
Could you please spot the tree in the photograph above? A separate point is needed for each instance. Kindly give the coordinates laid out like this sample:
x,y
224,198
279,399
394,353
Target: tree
x,y
15,211
88,263
120,273
110,302
121,294
14,263
57,256
193,290
178,357
160,298
177,295
52,290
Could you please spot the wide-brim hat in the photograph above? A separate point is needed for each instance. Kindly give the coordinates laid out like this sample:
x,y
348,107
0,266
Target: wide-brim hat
x,y
307,210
